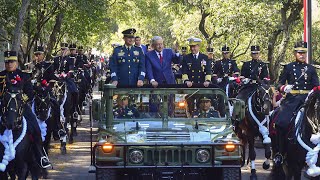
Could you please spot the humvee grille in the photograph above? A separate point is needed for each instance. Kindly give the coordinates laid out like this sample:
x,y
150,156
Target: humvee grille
x,y
169,157
167,135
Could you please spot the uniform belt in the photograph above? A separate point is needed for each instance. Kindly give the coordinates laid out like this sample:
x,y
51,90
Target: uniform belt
x,y
299,91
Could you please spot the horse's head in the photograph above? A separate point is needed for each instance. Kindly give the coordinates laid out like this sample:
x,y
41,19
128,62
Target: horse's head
x,y
12,106
41,104
59,89
263,98
312,107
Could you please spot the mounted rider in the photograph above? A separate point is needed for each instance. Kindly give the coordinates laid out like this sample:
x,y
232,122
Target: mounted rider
x,y
296,80
16,76
254,72
43,73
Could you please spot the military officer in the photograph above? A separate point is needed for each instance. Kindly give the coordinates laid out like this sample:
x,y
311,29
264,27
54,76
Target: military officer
x,y
123,110
206,110
225,67
296,80
22,81
254,72
81,59
196,68
60,62
127,63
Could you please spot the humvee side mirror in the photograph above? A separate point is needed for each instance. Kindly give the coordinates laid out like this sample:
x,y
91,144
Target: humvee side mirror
x,y
238,112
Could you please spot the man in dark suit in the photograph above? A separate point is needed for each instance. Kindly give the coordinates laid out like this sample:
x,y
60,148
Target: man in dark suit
x,y
137,43
158,63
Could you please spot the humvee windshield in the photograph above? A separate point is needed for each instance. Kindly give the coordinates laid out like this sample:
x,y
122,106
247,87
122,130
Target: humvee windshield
x,y
142,106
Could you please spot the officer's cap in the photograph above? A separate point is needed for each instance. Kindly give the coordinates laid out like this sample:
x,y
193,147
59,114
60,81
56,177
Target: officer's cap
x,y
123,97
72,46
225,48
194,41
80,48
129,33
38,50
10,56
301,46
255,49
205,98
210,50
64,45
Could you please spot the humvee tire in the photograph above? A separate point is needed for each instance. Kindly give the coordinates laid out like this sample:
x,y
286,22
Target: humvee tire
x,y
106,174
231,174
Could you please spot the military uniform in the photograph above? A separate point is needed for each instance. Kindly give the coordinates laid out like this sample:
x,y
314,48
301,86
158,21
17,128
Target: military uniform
x,y
211,113
125,112
301,78
225,67
22,81
255,71
127,64
196,67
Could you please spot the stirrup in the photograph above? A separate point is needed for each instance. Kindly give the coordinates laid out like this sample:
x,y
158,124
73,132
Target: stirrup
x,y
75,115
278,159
46,166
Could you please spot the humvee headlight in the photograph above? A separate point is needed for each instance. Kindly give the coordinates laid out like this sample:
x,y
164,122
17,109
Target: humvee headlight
x,y
182,104
230,147
136,156
107,148
203,155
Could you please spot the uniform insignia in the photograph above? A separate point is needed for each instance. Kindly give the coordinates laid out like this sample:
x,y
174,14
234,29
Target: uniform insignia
x,y
136,53
137,60
121,53
123,60
119,61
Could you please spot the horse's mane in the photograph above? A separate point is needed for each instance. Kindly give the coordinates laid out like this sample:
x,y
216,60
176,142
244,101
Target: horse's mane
x,y
311,111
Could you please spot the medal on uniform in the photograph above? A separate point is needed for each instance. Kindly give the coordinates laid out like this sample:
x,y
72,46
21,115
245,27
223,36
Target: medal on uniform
x,y
230,65
121,54
136,53
123,60
203,62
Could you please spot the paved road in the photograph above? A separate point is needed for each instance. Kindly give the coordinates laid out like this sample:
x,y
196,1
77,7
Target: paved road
x,y
75,164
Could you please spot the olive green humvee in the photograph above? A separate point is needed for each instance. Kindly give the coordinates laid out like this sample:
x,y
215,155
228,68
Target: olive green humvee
x,y
162,147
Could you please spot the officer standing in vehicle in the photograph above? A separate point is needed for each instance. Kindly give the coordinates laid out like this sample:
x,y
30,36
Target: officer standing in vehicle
x,y
254,72
296,80
206,110
22,81
196,68
127,63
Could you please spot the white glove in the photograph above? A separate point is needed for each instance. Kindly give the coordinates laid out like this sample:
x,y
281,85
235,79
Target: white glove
x,y
246,80
288,88
33,81
232,78
219,80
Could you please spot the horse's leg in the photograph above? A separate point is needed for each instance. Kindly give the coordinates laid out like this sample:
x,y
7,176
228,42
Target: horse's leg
x,y
267,154
252,156
3,175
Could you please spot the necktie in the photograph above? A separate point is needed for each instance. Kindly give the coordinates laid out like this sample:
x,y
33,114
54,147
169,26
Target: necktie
x,y
195,56
161,58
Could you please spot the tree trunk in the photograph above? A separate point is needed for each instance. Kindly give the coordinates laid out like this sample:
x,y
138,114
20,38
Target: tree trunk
x,y
53,36
19,24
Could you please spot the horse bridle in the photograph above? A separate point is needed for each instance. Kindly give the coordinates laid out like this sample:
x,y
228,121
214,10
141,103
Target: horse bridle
x,y
43,101
17,109
263,98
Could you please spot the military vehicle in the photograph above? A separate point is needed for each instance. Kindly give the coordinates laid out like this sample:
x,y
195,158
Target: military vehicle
x,y
156,144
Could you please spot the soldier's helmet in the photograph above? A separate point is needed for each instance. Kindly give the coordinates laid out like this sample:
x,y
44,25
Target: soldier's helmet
x,y
301,46
38,50
225,49
10,56
255,49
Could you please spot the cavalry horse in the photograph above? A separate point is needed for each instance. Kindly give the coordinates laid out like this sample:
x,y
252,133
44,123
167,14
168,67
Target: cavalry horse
x,y
255,123
303,139
48,116
16,147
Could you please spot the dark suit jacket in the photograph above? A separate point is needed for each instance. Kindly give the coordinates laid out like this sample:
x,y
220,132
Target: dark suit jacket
x,y
161,72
